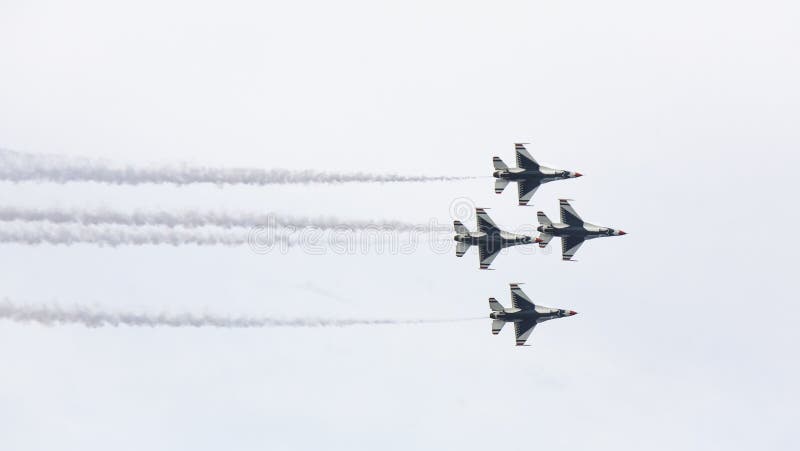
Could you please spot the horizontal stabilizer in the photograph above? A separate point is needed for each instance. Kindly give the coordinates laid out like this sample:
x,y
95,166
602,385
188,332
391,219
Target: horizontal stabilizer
x,y
498,163
500,185
461,229
462,249
497,326
544,239
495,305
543,219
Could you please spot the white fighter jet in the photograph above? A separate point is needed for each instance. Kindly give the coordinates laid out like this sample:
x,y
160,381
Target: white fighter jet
x,y
528,174
524,314
489,238
572,229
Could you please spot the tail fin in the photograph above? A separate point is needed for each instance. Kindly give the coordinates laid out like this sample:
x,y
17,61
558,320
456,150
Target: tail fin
x,y
498,163
500,185
543,219
461,229
497,326
495,306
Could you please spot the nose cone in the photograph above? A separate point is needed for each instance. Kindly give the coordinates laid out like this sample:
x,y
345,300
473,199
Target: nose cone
x,y
620,233
537,240
577,174
572,313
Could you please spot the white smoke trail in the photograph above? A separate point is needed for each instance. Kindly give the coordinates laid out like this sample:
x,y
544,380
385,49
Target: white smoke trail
x,y
17,167
88,317
34,234
101,216
259,239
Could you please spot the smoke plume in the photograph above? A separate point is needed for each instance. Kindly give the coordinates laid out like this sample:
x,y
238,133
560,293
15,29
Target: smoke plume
x,y
88,317
100,216
34,234
18,167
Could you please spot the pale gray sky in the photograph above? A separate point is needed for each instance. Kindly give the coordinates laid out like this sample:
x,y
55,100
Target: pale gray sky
x,y
682,116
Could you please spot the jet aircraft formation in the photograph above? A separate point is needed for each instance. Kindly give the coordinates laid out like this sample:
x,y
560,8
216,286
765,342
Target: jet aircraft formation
x,y
490,239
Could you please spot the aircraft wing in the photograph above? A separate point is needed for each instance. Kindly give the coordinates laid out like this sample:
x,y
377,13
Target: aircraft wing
x,y
523,330
526,190
524,159
485,223
487,254
519,299
569,246
568,214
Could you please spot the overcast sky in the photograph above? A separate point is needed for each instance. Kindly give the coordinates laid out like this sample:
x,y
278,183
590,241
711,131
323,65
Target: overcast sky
x,y
682,116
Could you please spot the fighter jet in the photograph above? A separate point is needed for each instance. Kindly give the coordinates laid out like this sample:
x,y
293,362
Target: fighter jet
x,y
528,174
489,238
524,314
572,230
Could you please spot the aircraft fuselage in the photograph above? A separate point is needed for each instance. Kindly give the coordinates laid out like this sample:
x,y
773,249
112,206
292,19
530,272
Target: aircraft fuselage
x,y
587,231
542,174
503,239
523,315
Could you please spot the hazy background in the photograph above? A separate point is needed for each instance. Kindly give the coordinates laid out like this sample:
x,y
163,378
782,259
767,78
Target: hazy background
x,y
683,117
